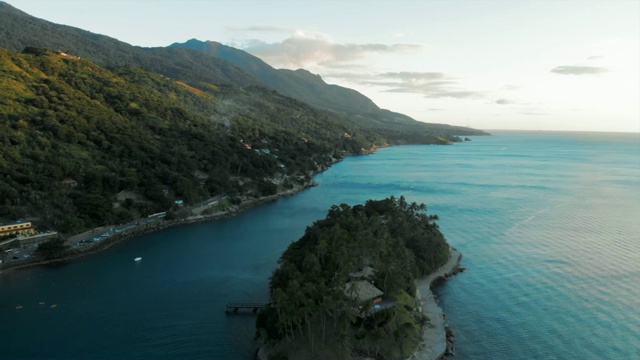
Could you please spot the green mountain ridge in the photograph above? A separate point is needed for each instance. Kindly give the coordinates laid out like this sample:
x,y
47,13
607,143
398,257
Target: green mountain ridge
x,y
130,129
230,67
305,86
300,84
20,30
164,123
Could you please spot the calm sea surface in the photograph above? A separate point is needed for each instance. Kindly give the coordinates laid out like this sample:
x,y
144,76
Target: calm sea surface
x,y
549,225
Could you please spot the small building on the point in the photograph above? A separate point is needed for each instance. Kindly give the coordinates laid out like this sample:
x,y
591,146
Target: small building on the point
x,y
366,273
362,291
69,182
366,297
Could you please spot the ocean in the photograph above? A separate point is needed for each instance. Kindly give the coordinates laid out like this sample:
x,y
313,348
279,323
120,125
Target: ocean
x,y
548,224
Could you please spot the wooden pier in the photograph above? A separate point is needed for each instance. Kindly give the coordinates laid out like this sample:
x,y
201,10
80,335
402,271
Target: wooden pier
x,y
235,307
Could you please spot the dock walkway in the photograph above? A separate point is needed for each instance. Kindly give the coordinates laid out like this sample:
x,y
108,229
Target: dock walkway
x,y
235,307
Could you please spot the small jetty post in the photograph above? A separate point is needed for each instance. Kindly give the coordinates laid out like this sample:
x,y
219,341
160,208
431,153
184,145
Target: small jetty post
x,y
235,307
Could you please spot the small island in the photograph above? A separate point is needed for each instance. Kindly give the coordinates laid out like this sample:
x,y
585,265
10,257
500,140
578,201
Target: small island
x,y
347,288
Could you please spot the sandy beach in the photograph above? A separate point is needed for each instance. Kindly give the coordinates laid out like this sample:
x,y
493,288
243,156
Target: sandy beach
x,y
434,339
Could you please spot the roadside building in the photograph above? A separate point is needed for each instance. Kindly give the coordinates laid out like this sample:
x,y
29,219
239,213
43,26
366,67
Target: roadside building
x,y
37,238
69,182
17,228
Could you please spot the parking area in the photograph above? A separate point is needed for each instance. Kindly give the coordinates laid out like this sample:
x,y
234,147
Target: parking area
x,y
21,253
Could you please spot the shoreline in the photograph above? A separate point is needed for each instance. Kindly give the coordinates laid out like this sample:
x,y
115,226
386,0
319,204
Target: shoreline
x,y
162,225
434,344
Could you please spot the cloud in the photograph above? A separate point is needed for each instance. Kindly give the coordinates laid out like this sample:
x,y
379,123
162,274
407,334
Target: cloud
x,y
595,57
511,87
533,113
261,29
505,102
306,50
413,77
463,94
347,62
432,85
578,70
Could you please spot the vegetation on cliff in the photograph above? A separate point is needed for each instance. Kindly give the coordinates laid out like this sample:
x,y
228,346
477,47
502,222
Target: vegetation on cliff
x,y
94,131
200,64
73,135
315,309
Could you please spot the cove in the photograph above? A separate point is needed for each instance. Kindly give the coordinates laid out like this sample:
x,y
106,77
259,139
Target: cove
x,y
547,223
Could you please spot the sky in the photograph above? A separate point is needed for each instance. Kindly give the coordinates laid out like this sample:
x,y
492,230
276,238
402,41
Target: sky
x,y
510,64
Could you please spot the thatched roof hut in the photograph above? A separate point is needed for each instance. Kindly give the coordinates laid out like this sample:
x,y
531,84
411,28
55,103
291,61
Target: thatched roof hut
x,y
362,291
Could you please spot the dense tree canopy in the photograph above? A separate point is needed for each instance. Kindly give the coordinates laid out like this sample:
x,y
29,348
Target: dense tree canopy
x,y
62,117
397,239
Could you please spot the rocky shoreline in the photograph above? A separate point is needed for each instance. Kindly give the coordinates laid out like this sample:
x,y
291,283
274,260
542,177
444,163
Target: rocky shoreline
x,y
437,338
161,225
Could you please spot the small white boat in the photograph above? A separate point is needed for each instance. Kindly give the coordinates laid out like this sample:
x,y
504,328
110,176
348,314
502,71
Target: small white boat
x,y
137,259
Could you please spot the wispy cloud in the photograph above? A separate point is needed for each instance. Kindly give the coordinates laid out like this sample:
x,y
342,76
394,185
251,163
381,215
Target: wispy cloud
x,y
317,49
532,113
462,94
432,85
505,101
261,29
578,70
347,61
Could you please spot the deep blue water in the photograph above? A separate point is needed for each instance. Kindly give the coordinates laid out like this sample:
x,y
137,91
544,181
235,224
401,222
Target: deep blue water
x,y
548,223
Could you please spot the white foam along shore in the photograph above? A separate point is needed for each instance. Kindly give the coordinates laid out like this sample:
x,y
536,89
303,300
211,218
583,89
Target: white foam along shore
x,y
434,337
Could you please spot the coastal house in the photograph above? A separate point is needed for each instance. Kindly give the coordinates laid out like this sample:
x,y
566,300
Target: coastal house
x,y
201,176
69,182
366,273
366,296
17,228
362,291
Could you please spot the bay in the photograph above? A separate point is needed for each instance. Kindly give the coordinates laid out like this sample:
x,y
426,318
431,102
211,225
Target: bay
x,y
548,224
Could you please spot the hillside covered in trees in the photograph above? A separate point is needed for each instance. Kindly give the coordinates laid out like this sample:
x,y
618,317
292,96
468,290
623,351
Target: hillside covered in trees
x,y
317,307
84,117
199,64
74,134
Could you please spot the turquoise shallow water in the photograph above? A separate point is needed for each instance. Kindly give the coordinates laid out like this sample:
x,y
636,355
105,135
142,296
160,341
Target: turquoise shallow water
x,y
548,223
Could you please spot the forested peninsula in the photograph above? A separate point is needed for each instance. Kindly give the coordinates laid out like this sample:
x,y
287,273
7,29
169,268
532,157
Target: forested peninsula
x,y
347,287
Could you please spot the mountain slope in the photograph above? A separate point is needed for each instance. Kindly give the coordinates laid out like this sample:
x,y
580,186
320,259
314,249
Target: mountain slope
x,y
304,86
20,30
128,129
299,84
198,69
